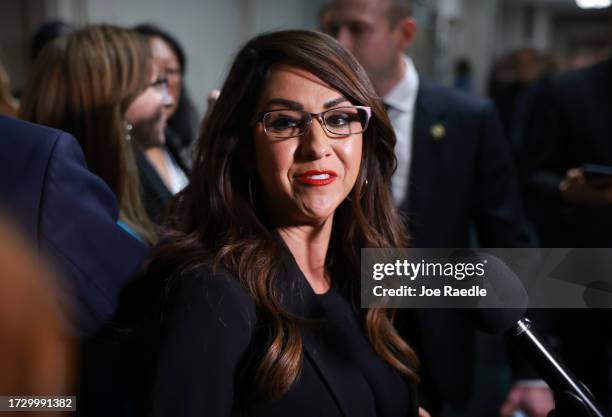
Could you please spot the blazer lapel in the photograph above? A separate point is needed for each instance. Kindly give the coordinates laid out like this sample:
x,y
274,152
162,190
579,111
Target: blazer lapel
x,y
300,299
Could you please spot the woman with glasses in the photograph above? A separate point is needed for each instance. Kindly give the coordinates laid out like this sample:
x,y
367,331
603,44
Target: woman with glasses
x,y
260,309
160,174
99,84
183,119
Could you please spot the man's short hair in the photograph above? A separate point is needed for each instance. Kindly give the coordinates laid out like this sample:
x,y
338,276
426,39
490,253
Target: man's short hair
x,y
398,10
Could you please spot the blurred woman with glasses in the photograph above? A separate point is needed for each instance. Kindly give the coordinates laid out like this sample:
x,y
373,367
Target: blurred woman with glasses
x,y
99,84
261,271
163,165
160,174
182,115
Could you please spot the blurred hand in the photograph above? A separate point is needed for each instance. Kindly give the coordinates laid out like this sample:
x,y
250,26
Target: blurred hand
x,y
535,401
576,189
423,413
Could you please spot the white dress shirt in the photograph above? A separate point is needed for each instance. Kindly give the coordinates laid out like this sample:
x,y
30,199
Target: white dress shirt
x,y
401,102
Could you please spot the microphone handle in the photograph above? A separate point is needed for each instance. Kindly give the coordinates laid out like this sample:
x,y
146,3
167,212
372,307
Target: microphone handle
x,y
556,375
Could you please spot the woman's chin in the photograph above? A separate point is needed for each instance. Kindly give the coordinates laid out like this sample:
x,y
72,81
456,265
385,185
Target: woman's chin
x,y
304,211
319,214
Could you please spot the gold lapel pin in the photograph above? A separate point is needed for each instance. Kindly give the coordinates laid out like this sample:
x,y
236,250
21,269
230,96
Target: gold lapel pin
x,y
437,131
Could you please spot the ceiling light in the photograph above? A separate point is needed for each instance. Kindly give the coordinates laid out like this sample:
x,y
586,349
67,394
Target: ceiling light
x,y
593,4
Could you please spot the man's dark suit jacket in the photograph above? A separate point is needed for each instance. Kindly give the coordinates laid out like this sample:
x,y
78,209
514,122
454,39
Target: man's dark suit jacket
x,y
212,336
460,180
463,179
572,125
70,215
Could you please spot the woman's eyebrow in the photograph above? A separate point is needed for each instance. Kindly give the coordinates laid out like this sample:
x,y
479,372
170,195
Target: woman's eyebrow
x,y
290,104
294,105
334,102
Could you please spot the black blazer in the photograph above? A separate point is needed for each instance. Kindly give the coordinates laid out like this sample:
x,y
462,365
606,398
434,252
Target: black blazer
x,y
211,331
461,181
70,215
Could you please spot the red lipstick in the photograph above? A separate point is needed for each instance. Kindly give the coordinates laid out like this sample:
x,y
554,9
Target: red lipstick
x,y
317,177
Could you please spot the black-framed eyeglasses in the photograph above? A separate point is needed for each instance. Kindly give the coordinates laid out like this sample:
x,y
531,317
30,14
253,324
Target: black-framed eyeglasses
x,y
339,122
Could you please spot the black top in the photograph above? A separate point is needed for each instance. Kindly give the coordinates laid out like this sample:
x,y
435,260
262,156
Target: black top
x,y
375,385
211,330
155,194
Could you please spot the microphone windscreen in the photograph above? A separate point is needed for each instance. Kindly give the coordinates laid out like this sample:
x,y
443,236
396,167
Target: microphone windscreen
x,y
506,300
495,320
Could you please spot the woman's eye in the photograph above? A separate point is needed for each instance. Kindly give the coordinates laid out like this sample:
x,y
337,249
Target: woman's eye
x,y
283,122
337,120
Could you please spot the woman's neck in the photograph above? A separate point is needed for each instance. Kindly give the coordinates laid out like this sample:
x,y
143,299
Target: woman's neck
x,y
309,244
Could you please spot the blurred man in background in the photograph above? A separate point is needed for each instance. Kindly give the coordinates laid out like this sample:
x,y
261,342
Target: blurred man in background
x,y
569,173
455,174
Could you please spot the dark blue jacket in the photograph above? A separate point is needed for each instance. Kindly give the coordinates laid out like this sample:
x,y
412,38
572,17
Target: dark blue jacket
x,y
70,215
461,178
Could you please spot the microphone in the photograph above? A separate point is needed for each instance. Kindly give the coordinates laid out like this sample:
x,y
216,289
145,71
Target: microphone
x,y
571,397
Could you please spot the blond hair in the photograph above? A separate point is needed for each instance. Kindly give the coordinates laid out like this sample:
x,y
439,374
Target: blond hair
x,y
83,83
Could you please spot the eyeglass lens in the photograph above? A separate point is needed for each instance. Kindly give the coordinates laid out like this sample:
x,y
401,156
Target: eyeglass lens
x,y
343,121
161,86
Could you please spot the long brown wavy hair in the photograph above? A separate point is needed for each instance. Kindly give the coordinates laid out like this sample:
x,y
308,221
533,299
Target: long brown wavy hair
x,y
216,219
83,83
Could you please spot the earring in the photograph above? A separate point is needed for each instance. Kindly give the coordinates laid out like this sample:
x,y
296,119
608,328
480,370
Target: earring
x,y
363,189
128,131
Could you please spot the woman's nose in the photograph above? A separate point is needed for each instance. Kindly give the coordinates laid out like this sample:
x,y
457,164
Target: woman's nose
x,y
315,144
167,99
